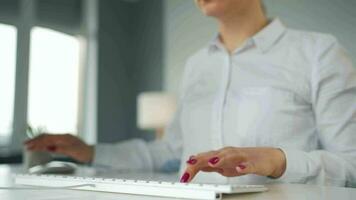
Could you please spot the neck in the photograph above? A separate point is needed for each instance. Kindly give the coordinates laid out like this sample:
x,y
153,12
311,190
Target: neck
x,y
235,30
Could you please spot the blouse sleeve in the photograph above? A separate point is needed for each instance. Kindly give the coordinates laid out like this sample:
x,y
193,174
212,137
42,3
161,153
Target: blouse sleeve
x,y
334,102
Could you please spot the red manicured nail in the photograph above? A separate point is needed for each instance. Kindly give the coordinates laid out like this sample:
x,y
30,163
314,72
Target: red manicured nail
x,y
214,160
51,148
241,166
185,178
192,161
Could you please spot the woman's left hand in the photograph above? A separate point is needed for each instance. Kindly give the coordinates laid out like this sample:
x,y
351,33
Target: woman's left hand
x,y
233,161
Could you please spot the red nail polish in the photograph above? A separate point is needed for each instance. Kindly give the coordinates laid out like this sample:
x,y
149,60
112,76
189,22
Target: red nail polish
x,y
192,161
214,160
51,148
185,178
241,166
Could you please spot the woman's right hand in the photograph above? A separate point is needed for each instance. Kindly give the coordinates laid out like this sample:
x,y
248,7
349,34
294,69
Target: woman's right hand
x,y
66,144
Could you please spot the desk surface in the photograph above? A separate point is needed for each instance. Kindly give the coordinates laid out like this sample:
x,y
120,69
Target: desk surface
x,y
276,192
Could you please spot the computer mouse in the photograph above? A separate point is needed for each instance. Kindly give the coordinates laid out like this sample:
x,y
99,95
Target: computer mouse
x,y
54,167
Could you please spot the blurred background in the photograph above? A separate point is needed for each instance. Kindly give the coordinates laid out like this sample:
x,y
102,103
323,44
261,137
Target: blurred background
x,y
103,69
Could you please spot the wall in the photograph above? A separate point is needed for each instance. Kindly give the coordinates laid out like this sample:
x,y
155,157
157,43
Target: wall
x,y
130,61
186,30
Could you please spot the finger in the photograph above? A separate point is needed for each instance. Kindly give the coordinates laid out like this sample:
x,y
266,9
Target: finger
x,y
191,171
36,144
227,159
42,141
219,159
246,168
192,160
58,138
33,141
200,162
65,150
37,140
50,148
47,142
39,145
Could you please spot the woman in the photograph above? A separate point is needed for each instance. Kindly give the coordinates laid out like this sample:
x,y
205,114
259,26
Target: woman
x,y
261,100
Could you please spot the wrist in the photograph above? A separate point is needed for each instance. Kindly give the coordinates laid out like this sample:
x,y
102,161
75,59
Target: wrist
x,y
279,159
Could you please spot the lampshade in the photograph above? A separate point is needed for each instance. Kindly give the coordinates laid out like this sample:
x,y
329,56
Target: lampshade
x,y
155,109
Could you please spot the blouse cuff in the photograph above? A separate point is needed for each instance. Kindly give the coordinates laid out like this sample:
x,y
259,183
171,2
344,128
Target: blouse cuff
x,y
296,166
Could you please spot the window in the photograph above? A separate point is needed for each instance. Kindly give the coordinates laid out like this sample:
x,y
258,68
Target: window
x,y
53,81
8,35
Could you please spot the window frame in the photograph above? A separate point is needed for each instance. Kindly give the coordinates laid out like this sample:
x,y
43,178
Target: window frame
x,y
87,114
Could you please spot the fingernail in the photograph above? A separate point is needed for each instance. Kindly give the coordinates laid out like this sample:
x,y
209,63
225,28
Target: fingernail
x,y
51,148
192,161
214,160
242,166
184,178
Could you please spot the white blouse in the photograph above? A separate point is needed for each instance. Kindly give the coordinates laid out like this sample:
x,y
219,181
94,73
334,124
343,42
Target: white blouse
x,y
283,88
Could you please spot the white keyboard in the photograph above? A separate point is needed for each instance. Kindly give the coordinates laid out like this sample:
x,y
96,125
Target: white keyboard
x,y
138,187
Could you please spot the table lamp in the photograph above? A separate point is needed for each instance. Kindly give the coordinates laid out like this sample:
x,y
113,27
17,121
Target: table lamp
x,y
154,111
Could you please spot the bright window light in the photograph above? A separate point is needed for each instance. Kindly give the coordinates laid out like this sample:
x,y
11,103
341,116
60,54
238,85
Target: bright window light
x,y
8,36
54,81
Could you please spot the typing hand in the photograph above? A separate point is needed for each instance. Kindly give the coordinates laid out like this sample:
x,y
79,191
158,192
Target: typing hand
x,y
232,161
67,144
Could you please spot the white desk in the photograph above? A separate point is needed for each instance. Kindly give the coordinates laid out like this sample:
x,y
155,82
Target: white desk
x,y
276,192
